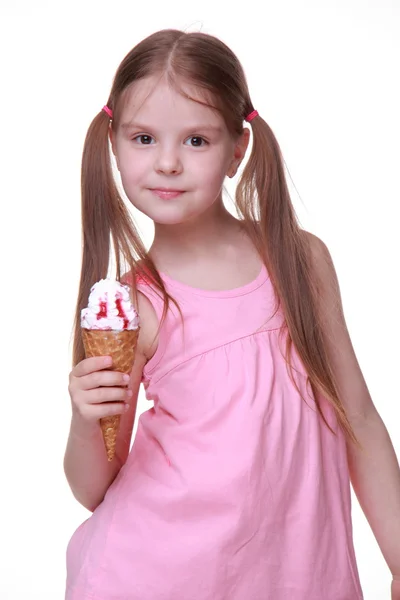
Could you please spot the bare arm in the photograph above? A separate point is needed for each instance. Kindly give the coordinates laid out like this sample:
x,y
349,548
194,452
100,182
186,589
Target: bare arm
x,y
375,477
374,471
86,467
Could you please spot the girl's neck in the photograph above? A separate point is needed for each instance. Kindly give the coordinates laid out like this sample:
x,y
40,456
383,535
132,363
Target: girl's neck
x,y
195,240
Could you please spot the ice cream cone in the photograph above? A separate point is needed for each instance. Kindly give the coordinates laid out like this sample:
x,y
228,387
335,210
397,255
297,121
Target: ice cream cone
x,y
121,346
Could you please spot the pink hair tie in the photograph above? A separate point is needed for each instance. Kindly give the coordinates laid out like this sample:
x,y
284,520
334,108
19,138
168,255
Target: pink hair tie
x,y
108,111
251,116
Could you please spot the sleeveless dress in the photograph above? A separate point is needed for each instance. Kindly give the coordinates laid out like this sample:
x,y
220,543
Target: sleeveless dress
x,y
234,488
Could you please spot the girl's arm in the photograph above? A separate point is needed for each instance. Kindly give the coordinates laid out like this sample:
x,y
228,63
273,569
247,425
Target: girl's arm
x,y
86,467
375,477
374,472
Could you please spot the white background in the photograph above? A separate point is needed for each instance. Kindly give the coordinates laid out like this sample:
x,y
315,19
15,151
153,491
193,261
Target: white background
x,y
324,74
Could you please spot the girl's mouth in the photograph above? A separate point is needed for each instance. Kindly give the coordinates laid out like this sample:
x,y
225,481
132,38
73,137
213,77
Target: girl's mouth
x,y
167,194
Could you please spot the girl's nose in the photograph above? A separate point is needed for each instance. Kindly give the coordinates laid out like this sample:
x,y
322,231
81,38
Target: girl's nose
x,y
168,162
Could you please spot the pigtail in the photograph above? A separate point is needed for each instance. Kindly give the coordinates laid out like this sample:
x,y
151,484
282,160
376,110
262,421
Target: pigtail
x,y
263,199
97,197
108,230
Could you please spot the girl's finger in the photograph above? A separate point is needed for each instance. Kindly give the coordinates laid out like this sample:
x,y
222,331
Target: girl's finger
x,y
90,365
107,394
95,412
103,379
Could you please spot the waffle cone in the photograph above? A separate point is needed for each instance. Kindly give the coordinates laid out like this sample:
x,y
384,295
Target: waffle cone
x,y
121,346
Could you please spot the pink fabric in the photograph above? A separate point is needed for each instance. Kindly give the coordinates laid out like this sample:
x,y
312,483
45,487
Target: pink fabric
x,y
234,488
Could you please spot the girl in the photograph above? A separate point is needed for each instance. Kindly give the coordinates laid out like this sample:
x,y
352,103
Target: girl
x,y
237,484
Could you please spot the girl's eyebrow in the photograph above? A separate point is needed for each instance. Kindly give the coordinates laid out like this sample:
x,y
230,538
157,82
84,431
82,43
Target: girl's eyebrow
x,y
142,127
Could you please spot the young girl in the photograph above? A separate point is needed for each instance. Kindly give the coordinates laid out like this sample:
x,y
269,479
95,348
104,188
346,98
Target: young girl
x,y
237,483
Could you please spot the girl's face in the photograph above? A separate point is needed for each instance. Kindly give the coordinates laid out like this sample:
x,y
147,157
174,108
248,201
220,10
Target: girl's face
x,y
166,142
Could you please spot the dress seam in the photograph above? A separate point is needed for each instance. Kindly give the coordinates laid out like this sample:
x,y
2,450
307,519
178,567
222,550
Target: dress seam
x,y
147,290
254,333
204,294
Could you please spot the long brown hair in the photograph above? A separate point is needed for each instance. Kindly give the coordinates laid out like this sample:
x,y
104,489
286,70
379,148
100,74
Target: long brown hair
x,y
262,200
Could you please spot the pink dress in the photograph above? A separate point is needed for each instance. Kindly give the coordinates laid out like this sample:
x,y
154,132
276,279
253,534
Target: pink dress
x,y
234,488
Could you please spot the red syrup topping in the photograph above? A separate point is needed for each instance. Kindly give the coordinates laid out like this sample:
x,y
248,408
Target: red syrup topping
x,y
103,310
121,312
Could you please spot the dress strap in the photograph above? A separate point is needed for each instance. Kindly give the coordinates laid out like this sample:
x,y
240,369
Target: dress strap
x,y
144,286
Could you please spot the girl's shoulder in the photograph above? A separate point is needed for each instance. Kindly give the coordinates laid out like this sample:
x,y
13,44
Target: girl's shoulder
x,y
148,335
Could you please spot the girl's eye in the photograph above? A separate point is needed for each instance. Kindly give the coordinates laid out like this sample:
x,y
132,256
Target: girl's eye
x,y
146,140
197,141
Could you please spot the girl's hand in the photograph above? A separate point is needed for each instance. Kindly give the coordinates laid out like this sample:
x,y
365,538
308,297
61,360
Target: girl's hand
x,y
396,587
96,392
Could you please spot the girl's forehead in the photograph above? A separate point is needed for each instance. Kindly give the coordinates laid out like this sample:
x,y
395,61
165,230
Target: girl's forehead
x,y
157,99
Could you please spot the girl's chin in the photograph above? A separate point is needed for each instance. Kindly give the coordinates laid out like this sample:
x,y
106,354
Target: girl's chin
x,y
171,215
171,219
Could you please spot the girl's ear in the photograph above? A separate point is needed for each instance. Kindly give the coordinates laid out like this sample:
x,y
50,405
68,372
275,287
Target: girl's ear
x,y
112,142
241,145
239,151
243,142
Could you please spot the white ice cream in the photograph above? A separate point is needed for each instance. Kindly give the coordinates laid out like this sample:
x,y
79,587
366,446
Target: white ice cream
x,y
109,307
